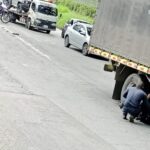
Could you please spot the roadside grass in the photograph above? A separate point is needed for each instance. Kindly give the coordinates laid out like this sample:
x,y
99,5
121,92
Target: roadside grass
x,y
76,6
67,14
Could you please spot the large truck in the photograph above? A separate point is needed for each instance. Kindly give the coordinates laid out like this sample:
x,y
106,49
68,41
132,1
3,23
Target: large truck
x,y
121,34
38,14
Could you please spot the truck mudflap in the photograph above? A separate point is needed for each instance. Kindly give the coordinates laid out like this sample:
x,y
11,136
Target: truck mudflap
x,y
119,59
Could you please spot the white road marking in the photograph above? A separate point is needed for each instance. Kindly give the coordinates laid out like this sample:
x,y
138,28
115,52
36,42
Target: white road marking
x,y
33,48
27,44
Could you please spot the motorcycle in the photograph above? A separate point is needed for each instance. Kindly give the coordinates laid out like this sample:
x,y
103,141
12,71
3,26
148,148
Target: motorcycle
x,y
4,13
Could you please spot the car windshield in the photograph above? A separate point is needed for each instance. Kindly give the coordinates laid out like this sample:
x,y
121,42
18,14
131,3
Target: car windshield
x,y
47,10
89,29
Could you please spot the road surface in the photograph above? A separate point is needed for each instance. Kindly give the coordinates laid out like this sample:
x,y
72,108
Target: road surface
x,y
54,98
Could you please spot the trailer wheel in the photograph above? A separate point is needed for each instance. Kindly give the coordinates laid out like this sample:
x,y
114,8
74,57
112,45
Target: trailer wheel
x,y
131,80
85,49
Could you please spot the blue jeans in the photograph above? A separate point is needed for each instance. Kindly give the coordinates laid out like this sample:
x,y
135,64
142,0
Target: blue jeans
x,y
129,109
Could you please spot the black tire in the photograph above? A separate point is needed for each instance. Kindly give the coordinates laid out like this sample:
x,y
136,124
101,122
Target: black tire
x,y
66,41
85,49
48,31
28,24
5,18
131,80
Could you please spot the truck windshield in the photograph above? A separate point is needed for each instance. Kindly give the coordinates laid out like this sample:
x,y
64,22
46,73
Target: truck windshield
x,y
47,10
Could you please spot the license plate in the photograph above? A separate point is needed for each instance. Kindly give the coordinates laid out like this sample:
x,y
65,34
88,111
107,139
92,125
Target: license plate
x,y
45,26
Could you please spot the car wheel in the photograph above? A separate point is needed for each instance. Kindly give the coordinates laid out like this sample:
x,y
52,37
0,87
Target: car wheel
x,y
85,49
66,42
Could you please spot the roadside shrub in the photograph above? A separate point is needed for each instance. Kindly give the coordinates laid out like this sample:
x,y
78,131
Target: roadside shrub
x,y
63,9
67,15
78,7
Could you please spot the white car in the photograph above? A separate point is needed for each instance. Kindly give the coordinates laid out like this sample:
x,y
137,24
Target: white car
x,y
78,35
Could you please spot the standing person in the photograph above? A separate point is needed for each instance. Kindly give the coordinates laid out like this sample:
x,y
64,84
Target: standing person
x,y
134,96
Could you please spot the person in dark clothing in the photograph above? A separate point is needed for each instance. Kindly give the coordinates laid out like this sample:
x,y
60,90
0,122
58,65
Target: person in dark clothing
x,y
134,96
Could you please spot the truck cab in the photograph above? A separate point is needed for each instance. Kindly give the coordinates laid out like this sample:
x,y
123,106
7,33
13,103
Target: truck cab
x,y
42,15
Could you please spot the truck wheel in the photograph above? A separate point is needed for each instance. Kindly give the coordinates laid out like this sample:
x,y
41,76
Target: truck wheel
x,y
131,80
85,49
66,42
48,31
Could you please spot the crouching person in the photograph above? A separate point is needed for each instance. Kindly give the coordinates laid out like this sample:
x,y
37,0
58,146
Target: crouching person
x,y
134,97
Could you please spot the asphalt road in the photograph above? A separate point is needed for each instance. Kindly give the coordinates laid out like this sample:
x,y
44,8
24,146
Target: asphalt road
x,y
70,90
